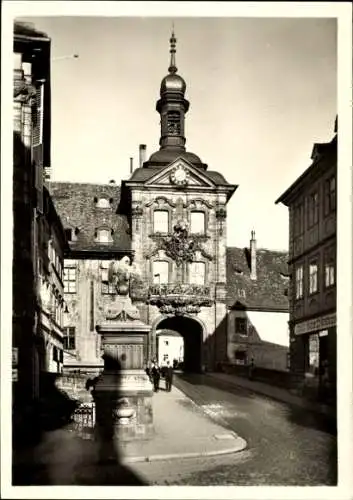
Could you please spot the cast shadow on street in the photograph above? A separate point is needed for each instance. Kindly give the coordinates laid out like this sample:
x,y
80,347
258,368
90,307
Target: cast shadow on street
x,y
63,457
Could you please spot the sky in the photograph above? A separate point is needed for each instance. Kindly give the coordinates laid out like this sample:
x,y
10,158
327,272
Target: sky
x,y
262,91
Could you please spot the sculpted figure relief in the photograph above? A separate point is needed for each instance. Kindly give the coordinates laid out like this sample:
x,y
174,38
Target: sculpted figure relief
x,y
120,273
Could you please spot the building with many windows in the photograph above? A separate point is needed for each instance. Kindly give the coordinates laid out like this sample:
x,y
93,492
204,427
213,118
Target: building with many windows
x,y
38,236
169,217
312,262
96,235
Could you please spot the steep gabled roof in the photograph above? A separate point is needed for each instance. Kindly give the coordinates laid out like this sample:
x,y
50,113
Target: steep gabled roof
x,y
269,290
76,206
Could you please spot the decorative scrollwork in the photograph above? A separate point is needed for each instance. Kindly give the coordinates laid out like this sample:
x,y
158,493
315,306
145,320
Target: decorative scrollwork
x,y
180,299
198,200
180,246
137,211
159,199
221,213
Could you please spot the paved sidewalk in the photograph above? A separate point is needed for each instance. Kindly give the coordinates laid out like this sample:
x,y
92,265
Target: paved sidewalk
x,y
273,392
182,430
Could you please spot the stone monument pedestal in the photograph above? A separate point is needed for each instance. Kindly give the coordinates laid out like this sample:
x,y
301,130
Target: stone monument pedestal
x,y
123,393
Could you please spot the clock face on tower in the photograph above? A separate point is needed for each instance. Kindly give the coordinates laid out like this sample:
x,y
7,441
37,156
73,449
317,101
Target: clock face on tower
x,y
179,175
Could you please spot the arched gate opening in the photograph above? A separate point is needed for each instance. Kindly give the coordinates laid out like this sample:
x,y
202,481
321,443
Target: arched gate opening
x,y
192,333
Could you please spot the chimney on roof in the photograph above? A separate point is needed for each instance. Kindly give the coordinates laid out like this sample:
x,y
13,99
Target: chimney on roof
x,y
253,256
131,165
142,154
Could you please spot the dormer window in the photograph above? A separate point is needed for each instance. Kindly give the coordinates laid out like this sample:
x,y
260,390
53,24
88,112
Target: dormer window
x,y
104,235
103,202
71,234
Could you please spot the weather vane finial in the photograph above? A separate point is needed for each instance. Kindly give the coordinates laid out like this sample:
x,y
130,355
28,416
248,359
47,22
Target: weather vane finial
x,y
172,68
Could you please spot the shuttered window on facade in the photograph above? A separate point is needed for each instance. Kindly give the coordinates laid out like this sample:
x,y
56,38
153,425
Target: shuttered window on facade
x,y
37,144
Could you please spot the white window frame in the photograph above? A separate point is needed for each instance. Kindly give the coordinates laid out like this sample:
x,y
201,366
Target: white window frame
x,y
299,280
313,277
330,277
158,226
70,283
103,203
200,228
100,239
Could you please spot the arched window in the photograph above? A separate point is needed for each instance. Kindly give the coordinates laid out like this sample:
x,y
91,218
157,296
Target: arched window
x,y
197,273
102,203
173,123
197,222
160,272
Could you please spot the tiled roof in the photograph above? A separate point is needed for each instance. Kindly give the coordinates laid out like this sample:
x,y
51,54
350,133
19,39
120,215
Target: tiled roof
x,y
143,174
76,206
269,290
28,29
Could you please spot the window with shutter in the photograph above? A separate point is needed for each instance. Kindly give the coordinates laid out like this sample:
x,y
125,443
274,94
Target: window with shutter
x,y
37,131
37,144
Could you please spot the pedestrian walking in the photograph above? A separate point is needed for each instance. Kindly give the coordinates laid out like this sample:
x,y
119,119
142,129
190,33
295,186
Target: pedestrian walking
x,y
168,377
251,369
156,375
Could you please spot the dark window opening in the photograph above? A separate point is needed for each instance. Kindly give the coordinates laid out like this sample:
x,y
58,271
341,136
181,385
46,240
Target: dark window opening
x,y
240,326
174,123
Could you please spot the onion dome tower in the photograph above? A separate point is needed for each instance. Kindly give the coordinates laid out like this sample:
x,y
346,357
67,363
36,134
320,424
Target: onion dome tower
x,y
172,106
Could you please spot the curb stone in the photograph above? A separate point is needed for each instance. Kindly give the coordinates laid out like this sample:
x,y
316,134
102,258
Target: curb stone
x,y
242,444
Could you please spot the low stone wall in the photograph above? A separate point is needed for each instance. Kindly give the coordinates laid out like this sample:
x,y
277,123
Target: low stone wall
x,y
75,386
278,378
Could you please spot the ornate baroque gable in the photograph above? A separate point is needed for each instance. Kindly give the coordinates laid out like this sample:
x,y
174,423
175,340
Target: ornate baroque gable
x,y
180,173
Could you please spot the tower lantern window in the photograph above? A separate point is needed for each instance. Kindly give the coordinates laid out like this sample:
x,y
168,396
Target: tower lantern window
x,y
174,122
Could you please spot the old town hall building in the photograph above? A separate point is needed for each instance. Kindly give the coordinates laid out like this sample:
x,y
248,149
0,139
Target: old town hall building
x,y
169,217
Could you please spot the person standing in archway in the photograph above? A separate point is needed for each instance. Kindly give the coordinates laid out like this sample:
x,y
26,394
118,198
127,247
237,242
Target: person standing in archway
x,y
168,377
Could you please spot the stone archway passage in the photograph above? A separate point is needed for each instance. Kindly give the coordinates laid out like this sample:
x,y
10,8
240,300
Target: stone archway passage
x,y
191,331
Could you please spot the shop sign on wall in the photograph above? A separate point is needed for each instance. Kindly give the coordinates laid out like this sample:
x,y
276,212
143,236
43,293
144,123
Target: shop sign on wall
x,y
315,324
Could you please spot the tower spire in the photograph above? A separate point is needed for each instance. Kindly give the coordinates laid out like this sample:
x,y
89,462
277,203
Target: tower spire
x,y
172,68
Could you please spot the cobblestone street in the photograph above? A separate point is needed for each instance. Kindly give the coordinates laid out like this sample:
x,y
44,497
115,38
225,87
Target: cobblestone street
x,y
286,445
